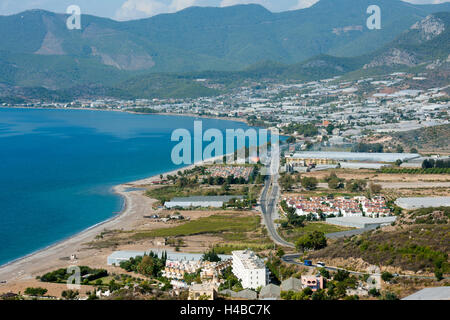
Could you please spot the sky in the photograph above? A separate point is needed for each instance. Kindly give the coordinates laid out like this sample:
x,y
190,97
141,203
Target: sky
x,y
136,9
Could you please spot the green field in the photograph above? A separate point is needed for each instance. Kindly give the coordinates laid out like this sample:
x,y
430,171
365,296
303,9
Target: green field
x,y
213,224
292,234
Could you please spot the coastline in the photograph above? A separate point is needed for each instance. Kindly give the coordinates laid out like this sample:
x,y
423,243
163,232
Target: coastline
x,y
30,265
189,115
58,253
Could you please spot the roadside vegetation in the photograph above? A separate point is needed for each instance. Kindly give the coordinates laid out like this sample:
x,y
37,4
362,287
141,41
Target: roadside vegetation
x,y
217,224
417,247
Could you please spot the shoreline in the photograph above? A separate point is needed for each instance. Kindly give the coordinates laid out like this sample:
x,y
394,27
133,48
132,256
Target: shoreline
x,y
13,270
188,115
67,246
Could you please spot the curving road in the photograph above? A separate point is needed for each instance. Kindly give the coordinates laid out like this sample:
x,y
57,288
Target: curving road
x,y
269,201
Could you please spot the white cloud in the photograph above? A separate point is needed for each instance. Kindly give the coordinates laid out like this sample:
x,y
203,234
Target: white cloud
x,y
136,9
302,4
178,5
227,3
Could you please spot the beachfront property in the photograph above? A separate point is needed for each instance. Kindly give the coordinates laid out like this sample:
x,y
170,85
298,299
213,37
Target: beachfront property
x,y
308,159
236,172
250,269
200,202
339,206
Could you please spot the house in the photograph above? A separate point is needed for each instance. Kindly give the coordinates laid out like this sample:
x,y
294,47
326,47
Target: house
x,y
313,282
203,291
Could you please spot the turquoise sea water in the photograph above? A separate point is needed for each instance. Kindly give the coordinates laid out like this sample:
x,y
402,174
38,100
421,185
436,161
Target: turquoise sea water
x,y
57,168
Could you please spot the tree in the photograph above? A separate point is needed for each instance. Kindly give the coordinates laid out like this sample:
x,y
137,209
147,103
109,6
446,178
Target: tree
x,y
438,274
390,296
375,188
37,292
291,139
426,164
334,182
319,295
286,182
211,256
226,187
356,185
374,292
69,294
341,275
309,183
387,276
280,252
311,241
324,273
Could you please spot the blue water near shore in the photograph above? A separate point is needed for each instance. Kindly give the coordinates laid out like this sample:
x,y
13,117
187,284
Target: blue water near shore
x,y
57,168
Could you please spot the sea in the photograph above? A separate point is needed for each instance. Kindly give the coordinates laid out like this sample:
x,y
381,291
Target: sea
x,y
58,167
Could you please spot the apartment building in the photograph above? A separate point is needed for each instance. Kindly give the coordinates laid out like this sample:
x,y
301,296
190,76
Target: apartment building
x,y
250,269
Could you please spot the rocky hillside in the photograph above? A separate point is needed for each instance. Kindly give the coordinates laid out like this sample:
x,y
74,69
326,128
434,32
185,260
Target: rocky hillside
x,y
426,139
418,243
427,41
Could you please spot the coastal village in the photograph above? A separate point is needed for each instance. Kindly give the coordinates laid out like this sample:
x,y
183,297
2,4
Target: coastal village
x,y
351,169
394,103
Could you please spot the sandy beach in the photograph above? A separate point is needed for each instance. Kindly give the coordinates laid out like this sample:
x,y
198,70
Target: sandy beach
x,y
21,273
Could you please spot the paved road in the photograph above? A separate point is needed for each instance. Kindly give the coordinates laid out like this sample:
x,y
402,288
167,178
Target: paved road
x,y
269,201
292,259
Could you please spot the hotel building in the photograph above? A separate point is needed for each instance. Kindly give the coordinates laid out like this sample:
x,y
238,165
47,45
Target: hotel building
x,y
250,269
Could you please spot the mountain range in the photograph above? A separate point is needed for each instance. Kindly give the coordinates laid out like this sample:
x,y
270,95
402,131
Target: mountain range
x,y
162,55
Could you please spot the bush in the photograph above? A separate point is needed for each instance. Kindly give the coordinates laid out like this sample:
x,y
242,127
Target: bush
x,y
37,292
69,294
387,276
374,292
390,296
311,241
341,275
309,183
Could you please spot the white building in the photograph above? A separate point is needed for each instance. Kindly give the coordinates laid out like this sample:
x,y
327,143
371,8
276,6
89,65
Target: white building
x,y
200,201
250,269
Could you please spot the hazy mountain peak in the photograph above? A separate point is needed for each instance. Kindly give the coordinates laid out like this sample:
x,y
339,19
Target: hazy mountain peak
x,y
430,27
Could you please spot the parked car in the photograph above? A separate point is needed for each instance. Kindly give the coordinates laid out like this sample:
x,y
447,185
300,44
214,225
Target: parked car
x,y
321,264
